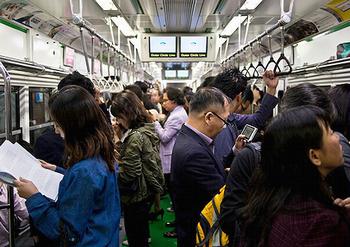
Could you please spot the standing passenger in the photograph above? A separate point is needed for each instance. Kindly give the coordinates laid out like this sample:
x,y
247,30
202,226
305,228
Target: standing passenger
x,y
87,211
196,175
289,203
173,101
140,176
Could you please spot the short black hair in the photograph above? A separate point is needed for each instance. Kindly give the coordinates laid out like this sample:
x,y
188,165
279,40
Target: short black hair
x,y
136,90
143,85
175,95
231,82
207,81
205,99
79,80
186,90
248,95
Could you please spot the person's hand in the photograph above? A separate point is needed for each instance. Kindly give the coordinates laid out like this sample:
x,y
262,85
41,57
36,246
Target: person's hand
x,y
342,203
25,188
48,166
271,81
241,141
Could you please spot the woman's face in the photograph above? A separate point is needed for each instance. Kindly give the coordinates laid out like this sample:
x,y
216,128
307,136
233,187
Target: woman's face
x,y
331,153
122,122
58,130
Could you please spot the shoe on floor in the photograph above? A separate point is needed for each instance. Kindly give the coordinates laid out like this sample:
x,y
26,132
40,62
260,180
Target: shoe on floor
x,y
171,234
170,209
170,223
126,243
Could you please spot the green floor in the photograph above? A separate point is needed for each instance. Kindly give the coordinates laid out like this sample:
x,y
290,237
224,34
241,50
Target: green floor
x,y
158,227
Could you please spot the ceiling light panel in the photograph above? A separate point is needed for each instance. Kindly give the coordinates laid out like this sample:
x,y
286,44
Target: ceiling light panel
x,y
106,4
250,4
123,25
233,25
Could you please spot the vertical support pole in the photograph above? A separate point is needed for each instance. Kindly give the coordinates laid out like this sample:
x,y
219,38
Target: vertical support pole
x,y
8,132
92,54
101,57
84,50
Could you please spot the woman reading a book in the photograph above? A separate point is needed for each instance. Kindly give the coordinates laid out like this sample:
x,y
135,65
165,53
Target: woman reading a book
x,y
87,211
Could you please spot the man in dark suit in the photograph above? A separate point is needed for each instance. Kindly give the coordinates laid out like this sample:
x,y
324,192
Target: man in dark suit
x,y
196,174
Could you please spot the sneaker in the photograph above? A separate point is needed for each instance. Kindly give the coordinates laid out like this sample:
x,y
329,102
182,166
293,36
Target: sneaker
x,y
170,209
126,243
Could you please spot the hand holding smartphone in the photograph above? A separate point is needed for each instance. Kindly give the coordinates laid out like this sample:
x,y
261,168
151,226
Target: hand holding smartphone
x,y
249,132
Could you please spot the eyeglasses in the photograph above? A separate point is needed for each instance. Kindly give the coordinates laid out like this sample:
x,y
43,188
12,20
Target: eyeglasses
x,y
225,121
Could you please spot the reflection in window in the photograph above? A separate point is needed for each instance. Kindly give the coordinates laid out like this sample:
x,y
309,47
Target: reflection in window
x,y
14,109
39,105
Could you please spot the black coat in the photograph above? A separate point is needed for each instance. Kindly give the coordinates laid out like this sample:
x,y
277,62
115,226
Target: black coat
x,y
196,176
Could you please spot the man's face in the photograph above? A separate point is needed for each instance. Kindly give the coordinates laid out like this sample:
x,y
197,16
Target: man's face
x,y
216,120
155,97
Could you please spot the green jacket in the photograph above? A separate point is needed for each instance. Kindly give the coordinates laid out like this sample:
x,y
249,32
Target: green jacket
x,y
140,163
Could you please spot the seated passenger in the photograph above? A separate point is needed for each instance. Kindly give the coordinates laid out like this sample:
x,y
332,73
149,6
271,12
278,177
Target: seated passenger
x,y
21,214
87,211
289,203
140,177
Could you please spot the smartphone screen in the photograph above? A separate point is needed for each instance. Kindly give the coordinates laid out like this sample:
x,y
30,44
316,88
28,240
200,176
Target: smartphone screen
x,y
249,132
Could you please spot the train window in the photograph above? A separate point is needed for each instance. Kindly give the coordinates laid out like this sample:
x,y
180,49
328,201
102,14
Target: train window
x,y
39,106
14,109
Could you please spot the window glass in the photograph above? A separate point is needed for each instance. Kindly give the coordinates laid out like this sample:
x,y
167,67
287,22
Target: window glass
x,y
39,105
14,108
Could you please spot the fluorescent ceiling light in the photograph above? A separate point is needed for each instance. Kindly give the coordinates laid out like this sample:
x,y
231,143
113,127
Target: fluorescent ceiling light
x,y
123,25
232,26
106,4
250,4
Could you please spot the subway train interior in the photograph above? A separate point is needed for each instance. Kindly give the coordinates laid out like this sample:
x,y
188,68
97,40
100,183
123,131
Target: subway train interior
x,y
162,44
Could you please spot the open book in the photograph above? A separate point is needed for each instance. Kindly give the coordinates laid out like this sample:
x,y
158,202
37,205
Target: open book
x,y
18,162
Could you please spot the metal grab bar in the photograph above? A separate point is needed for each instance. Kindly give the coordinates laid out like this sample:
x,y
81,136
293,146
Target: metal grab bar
x,y
256,74
272,60
251,68
277,70
244,71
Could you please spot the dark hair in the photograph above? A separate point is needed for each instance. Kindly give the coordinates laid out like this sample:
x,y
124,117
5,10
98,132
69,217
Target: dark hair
x,y
79,80
143,85
307,94
186,90
87,133
127,104
231,82
285,170
136,90
248,95
206,99
175,95
207,81
340,96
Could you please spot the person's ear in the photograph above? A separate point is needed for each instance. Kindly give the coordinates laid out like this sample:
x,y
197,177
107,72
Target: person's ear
x,y
314,156
207,117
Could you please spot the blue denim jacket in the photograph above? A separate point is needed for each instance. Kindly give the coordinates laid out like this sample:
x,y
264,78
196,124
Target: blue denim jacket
x,y
87,212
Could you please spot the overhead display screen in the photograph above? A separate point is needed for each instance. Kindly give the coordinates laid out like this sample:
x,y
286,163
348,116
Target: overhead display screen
x,y
169,74
193,46
162,46
183,74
